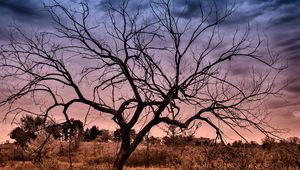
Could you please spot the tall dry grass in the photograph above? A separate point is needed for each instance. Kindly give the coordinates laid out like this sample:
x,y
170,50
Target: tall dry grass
x,y
97,156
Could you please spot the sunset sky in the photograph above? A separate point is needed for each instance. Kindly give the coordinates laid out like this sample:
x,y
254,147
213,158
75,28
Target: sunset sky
x,y
278,20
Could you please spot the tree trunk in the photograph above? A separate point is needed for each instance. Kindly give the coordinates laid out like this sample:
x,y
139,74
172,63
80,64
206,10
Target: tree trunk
x,y
125,150
121,159
127,147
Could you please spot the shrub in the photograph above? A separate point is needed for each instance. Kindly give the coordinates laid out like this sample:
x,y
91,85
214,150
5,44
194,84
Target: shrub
x,y
155,157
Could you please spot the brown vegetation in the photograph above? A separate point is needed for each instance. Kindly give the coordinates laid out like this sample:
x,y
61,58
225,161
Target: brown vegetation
x,y
284,154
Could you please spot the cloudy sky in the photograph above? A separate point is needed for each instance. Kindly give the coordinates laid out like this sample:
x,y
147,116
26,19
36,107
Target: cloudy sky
x,y
278,20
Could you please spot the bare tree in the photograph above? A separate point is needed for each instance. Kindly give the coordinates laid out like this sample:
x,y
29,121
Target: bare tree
x,y
144,65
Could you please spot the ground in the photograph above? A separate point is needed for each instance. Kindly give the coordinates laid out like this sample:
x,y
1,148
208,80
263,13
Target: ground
x,y
99,155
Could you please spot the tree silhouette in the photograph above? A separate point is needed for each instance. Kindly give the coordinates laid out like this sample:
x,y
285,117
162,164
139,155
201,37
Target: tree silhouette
x,y
93,133
28,130
145,65
20,136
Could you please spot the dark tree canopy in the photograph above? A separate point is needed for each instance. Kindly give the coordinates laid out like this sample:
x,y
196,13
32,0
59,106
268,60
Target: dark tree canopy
x,y
30,127
20,136
28,130
142,66
91,134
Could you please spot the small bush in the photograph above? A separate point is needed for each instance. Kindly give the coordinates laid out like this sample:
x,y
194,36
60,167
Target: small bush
x,y
101,160
52,164
154,158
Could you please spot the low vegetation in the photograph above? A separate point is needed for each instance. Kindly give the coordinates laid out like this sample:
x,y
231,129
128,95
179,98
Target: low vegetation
x,y
72,147
153,154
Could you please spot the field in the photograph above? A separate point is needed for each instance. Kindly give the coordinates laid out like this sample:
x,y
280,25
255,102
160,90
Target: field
x,y
99,155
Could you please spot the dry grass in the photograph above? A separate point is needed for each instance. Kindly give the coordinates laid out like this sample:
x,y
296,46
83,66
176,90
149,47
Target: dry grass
x,y
97,156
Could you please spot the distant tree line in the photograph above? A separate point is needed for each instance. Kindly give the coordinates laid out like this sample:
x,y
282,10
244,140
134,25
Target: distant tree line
x,y
31,127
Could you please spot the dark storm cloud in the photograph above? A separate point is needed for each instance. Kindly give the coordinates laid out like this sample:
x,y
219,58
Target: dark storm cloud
x,y
278,12
29,8
29,12
187,9
194,8
240,17
132,5
286,15
289,45
3,33
274,3
287,39
16,8
285,19
280,20
180,8
282,23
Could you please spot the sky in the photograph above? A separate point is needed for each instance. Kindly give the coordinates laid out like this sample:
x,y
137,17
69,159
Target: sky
x,y
278,20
